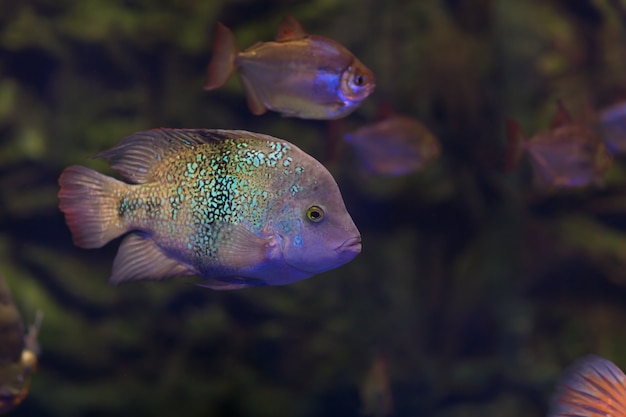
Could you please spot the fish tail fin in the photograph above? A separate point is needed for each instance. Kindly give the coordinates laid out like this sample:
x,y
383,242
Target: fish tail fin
x,y
515,145
592,387
222,63
90,206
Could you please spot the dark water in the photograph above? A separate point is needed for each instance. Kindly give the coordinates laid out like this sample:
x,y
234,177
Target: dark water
x,y
478,289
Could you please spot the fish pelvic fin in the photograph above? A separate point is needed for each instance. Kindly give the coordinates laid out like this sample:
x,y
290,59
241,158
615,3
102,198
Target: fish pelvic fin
x,y
515,145
222,63
89,202
254,101
139,258
289,29
593,387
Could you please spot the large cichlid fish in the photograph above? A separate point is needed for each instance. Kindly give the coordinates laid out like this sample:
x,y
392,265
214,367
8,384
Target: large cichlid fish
x,y
18,352
238,208
298,75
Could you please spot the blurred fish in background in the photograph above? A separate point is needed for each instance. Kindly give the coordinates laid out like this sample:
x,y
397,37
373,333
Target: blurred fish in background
x,y
591,387
18,352
376,396
395,146
611,123
298,75
569,154
239,209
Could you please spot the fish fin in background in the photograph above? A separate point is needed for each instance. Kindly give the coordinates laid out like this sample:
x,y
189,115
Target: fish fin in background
x,y
515,145
591,387
139,258
31,339
254,101
90,206
138,156
236,241
222,63
231,283
289,29
562,116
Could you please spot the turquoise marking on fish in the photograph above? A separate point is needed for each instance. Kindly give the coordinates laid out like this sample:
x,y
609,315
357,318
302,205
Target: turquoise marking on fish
x,y
197,203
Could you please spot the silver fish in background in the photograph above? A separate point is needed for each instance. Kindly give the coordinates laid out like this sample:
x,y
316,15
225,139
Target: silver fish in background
x,y
18,352
298,75
569,154
398,145
591,387
238,208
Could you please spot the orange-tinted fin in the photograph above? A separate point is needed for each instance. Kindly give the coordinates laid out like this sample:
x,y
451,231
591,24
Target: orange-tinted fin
x,y
222,63
90,206
562,116
515,145
254,101
289,29
139,258
592,387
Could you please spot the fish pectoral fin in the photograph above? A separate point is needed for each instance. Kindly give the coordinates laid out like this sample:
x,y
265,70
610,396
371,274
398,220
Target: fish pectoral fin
x,y
254,101
230,283
139,258
289,29
241,249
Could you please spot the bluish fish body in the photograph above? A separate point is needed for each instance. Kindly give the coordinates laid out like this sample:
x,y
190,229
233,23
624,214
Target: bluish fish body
x,y
395,146
612,125
298,75
591,387
18,352
569,154
239,209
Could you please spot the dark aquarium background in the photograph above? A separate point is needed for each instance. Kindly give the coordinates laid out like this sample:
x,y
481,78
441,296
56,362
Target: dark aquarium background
x,y
476,288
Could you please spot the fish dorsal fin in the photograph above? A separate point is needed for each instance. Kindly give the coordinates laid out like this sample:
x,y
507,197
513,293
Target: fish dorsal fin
x,y
138,156
139,258
289,29
562,116
593,387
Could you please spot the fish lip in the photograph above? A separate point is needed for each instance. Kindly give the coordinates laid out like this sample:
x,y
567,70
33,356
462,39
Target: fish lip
x,y
350,245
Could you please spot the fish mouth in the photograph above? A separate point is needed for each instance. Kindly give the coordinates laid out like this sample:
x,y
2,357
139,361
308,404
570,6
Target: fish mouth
x,y
352,245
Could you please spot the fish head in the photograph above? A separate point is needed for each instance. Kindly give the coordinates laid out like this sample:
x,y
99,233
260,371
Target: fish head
x,y
357,82
314,231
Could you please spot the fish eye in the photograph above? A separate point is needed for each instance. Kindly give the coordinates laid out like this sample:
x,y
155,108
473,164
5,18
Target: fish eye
x,y
359,80
315,214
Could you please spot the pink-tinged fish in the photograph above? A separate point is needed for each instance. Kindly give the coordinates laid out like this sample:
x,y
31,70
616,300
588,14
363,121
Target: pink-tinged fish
x,y
591,387
18,352
569,154
376,397
611,123
398,145
298,75
237,208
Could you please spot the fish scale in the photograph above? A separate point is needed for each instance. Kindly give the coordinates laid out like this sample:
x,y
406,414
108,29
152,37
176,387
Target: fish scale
x,y
226,205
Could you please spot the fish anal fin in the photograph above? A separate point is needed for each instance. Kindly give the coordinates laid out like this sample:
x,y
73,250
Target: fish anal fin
x,y
593,387
289,29
139,258
562,116
254,101
222,63
515,145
